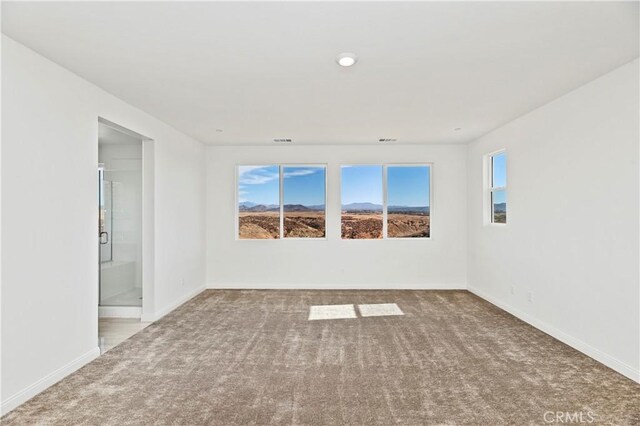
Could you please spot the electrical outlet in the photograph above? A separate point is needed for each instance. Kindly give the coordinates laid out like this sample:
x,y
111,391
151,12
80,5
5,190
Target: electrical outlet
x,y
530,296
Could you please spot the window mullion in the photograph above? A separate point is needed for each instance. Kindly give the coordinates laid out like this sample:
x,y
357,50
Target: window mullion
x,y
280,179
384,203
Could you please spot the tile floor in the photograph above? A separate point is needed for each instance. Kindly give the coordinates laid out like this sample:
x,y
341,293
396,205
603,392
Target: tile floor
x,y
131,297
113,331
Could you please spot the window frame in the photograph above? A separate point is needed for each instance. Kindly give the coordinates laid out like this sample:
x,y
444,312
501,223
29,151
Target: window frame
x,y
490,189
382,176
237,200
385,199
281,167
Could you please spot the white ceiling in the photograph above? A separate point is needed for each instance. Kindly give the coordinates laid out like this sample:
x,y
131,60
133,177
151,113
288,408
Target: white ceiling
x,y
110,136
267,70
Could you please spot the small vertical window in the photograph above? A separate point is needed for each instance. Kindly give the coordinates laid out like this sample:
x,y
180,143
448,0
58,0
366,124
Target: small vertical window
x,y
258,202
362,216
408,201
303,190
498,178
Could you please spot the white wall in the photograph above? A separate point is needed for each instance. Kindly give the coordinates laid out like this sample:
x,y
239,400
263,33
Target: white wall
x,y
334,263
49,218
572,232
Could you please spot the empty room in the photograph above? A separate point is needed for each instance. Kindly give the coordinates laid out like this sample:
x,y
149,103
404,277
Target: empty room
x,y
320,213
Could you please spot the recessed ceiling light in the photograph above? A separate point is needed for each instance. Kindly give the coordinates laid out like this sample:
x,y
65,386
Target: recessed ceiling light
x,y
219,130
347,59
387,140
458,129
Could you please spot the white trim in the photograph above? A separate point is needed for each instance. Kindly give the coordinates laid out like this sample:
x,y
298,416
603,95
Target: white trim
x,y
595,353
122,129
50,379
281,198
119,311
489,189
148,226
164,311
334,286
385,200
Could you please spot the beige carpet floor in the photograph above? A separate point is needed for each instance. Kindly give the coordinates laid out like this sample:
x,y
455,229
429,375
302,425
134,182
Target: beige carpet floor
x,y
253,357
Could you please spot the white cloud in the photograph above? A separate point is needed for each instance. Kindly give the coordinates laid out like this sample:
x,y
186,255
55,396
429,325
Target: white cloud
x,y
257,179
256,175
301,172
247,169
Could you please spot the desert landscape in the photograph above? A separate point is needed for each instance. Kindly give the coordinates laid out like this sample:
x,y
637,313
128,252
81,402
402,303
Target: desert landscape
x,y
263,222
263,225
364,221
304,224
500,213
361,225
408,225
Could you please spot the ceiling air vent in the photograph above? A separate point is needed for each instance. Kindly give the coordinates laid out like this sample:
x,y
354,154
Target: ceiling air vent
x,y
387,140
282,140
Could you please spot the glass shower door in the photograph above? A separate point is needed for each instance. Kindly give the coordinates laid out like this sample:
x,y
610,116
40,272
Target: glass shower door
x,y
120,232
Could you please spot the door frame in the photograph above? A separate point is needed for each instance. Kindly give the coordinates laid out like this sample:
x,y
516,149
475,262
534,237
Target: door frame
x,y
146,312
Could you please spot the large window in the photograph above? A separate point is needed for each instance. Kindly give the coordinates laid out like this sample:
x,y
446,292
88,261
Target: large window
x,y
498,187
405,201
281,202
362,216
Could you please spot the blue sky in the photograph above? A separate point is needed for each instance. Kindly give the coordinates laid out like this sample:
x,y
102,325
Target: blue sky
x,y
361,184
304,185
499,197
408,186
261,185
500,170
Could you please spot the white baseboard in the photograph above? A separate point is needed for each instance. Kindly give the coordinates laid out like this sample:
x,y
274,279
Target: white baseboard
x,y
164,311
597,354
400,286
59,374
48,380
119,311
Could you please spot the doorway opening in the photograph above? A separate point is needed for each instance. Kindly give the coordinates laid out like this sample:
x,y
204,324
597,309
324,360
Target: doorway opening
x,y
121,209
